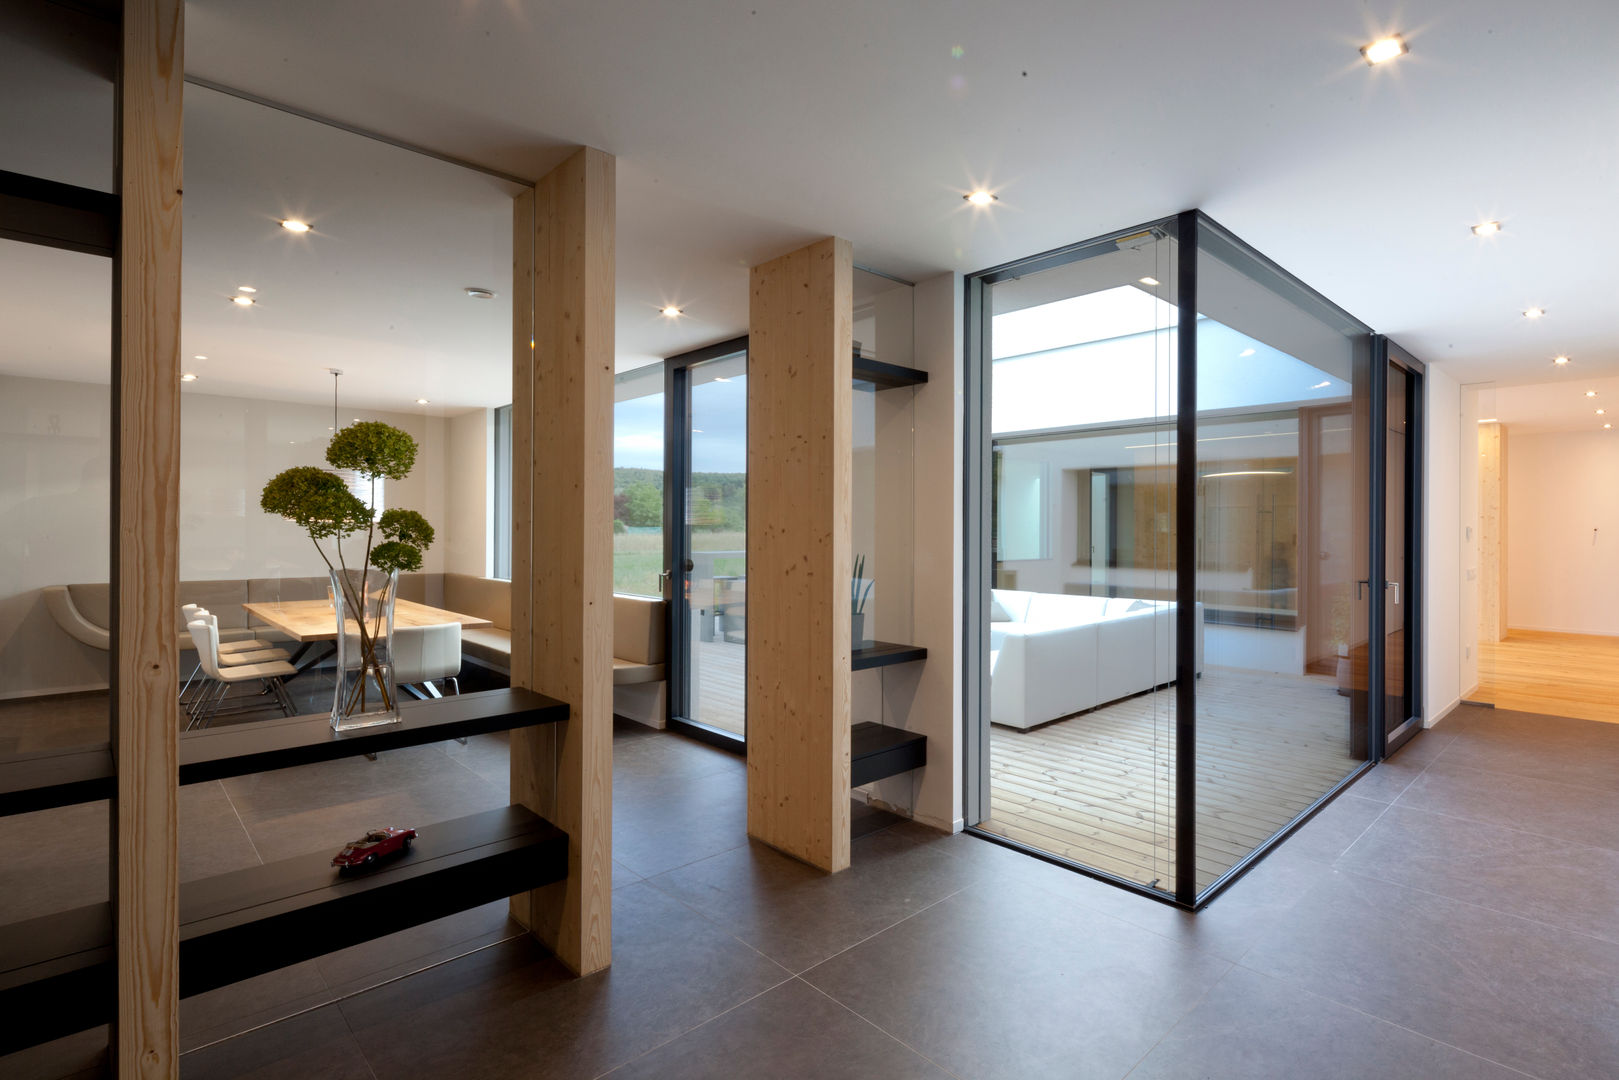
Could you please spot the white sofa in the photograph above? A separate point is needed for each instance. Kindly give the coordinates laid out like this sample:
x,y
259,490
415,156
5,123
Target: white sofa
x,y
1053,655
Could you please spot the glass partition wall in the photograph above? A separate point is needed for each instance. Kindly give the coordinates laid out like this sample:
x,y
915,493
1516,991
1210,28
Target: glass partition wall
x,y
1173,606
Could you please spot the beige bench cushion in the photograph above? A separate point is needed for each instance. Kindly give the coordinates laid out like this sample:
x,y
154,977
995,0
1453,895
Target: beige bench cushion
x,y
487,598
94,602
488,646
640,630
626,673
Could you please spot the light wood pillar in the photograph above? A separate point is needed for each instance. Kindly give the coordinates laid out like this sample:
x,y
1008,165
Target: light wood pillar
x,y
145,521
800,405
562,540
1492,532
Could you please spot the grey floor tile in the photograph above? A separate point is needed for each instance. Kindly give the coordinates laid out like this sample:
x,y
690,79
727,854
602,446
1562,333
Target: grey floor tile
x,y
997,982
314,1046
679,820
623,875
1530,996
370,962
53,860
1253,1027
1576,752
511,1010
1339,824
798,915
1572,886
1387,781
213,839
263,999
1549,807
793,1032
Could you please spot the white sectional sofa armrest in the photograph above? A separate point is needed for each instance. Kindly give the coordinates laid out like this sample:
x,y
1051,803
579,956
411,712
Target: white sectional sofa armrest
x,y
60,604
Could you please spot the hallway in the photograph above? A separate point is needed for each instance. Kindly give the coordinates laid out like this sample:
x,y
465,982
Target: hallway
x,y
1556,674
1450,916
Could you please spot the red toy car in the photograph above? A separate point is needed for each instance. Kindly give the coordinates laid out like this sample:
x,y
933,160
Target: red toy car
x,y
372,846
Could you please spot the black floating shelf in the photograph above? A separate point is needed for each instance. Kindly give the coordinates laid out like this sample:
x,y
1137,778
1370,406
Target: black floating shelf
x,y
886,376
883,653
877,751
59,973
41,781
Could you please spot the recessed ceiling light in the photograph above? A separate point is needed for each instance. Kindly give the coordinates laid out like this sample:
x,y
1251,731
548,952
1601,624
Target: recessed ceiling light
x,y
1590,393
1606,426
246,289
1384,49
292,225
721,378
981,198
199,358
242,301
1559,360
1602,412
188,377
481,294
1246,352
1534,313
1490,420
671,312
1486,228
1322,385
1149,281
421,401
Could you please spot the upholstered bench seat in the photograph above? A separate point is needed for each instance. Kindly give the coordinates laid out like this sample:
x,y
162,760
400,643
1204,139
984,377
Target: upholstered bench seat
x,y
628,673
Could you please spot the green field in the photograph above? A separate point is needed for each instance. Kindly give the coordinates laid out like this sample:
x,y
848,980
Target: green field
x,y
637,558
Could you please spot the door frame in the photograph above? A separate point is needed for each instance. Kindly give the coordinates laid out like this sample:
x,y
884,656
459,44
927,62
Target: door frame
x,y
676,544
1394,732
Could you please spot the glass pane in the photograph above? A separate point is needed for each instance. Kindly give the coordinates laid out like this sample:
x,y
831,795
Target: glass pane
x,y
1396,658
716,529
1281,529
56,78
638,482
1082,619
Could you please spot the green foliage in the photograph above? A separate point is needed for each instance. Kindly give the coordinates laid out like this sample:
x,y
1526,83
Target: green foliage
x,y
316,501
619,526
406,526
372,449
644,506
395,555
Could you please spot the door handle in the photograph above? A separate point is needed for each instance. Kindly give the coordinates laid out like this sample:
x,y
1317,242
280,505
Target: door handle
x,y
1360,585
1395,585
663,583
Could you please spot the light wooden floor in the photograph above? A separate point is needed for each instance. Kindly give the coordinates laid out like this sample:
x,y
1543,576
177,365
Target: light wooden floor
x,y
1556,674
1098,788
718,688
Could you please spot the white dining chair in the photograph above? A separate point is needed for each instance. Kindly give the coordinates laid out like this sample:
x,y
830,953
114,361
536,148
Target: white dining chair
x,y
423,655
228,650
205,635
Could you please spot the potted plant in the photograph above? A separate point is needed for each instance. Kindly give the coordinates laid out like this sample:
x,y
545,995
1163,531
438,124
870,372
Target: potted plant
x,y
319,502
859,593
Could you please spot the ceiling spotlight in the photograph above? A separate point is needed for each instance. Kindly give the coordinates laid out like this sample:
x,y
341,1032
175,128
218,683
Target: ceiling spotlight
x,y
1246,352
481,294
1486,228
246,289
1590,393
242,301
1534,313
1602,412
1559,360
295,226
199,358
1148,281
421,401
188,377
1606,426
1490,420
981,198
671,312
1322,385
1385,49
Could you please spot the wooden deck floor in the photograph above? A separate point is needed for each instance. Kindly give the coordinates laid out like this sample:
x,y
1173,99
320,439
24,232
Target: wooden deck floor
x,y
719,689
1098,788
1557,674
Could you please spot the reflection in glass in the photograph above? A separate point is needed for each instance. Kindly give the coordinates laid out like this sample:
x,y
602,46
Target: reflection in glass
x,y
715,520
638,481
1082,618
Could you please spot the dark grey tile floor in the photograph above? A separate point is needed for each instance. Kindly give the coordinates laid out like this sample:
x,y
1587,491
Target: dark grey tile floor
x,y
1452,916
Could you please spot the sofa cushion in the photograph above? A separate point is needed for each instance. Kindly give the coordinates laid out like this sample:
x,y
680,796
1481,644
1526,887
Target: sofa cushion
x,y
640,630
1013,602
223,599
488,646
487,598
94,602
998,612
626,673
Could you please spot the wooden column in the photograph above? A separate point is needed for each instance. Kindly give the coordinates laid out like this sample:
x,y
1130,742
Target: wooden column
x,y
145,521
562,540
800,404
1492,532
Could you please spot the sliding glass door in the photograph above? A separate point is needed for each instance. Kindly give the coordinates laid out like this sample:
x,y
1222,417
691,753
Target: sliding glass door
x,y
706,514
1401,551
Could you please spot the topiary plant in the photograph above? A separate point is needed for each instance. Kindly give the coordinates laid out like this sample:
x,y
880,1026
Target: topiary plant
x,y
320,503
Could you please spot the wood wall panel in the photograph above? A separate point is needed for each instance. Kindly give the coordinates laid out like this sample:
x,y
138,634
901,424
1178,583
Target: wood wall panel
x,y
800,439
146,471
562,595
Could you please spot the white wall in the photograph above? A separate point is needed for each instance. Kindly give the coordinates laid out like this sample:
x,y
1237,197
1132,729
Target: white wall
x,y
54,513
466,538
1563,532
1444,541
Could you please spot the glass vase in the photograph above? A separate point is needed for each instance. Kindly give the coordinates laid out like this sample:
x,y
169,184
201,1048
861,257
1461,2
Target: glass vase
x,y
363,604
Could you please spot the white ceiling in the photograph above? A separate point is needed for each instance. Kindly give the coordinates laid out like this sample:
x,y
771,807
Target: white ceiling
x,y
743,128
1559,405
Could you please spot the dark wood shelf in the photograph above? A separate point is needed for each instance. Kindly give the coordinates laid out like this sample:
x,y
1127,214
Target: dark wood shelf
x,y
59,970
877,752
886,376
41,781
883,653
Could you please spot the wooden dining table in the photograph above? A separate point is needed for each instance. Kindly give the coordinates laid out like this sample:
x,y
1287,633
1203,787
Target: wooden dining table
x,y
312,620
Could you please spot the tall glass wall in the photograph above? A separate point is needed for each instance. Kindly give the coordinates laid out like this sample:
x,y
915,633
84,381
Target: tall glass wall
x,y
1091,742
1082,606
638,481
